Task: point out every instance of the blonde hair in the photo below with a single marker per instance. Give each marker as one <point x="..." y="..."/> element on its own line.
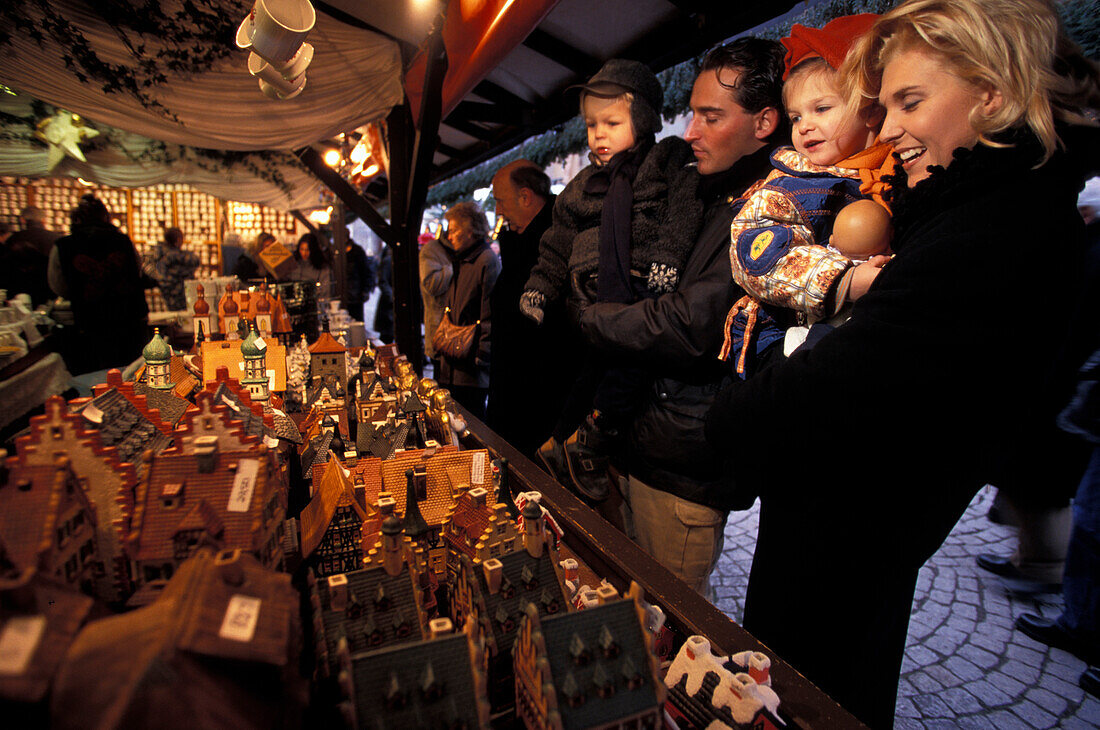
<point x="806" y="70"/>
<point x="1016" y="47"/>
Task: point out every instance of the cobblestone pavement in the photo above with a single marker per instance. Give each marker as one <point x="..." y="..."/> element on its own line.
<point x="965" y="666"/>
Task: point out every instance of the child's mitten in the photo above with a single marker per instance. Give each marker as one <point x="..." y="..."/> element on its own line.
<point x="662" y="278"/>
<point x="531" y="303"/>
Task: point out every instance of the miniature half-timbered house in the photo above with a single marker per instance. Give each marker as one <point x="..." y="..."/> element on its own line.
<point x="495" y="593"/>
<point x="709" y="691"/>
<point x="370" y="608"/>
<point x="328" y="360"/>
<point x="39" y="619"/>
<point x="47" y="522"/>
<point x="220" y="641"/>
<point x="108" y="482"/>
<point x="332" y="524"/>
<point x="440" y="682"/>
<point x="588" y="669"/>
<point x="219" y="486"/>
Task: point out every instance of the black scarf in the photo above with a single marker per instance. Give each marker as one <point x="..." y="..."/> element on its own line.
<point x="615" y="181"/>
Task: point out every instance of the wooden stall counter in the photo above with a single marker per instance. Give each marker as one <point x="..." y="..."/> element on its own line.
<point x="613" y="556"/>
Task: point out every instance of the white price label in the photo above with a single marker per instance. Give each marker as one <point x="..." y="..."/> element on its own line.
<point x="260" y="344"/>
<point x="18" y="640"/>
<point x="244" y="482"/>
<point x="477" y="469"/>
<point x="241" y="618"/>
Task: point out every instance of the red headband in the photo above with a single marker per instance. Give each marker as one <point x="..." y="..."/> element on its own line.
<point x="830" y="42"/>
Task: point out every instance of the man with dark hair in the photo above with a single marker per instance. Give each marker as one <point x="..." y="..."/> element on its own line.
<point x="677" y="489"/>
<point x="532" y="366"/>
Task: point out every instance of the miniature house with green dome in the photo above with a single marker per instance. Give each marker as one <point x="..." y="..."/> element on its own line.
<point x="158" y="363"/>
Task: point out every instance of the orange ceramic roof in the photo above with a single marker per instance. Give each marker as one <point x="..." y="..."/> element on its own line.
<point x="334" y="491"/>
<point x="326" y="343"/>
<point x="227" y="353"/>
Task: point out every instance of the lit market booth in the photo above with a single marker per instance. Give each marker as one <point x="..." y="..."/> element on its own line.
<point x="455" y="86"/>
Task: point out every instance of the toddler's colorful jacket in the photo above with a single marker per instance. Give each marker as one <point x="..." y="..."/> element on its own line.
<point x="778" y="251"/>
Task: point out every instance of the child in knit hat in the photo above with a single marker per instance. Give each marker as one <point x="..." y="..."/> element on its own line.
<point x="798" y="257"/>
<point x="621" y="230"/>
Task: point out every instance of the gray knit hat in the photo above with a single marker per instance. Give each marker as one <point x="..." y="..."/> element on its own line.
<point x="619" y="76"/>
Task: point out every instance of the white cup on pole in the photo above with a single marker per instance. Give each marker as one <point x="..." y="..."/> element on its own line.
<point x="280" y="27"/>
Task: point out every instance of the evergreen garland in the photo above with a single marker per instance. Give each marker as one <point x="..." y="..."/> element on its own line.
<point x="188" y="40"/>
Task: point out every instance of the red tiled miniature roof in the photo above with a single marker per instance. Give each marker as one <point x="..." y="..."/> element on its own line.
<point x="326" y="343"/>
<point x="440" y="468"/>
<point x="28" y="516"/>
<point x="126" y="390"/>
<point x="154" y="525"/>
<point x="334" y="491"/>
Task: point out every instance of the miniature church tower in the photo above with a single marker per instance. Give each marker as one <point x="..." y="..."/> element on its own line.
<point x="158" y="362"/>
<point x="254" y="352"/>
<point x="328" y="359"/>
<point x="200" y="317"/>
<point x="263" y="314"/>
<point x="232" y="312"/>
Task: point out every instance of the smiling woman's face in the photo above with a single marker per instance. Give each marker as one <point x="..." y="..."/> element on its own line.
<point x="927" y="110"/>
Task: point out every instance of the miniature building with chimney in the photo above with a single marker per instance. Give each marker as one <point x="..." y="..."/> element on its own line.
<point x="706" y="691"/>
<point x="108" y="482"/>
<point x="367" y="609"/>
<point x="332" y="525"/>
<point x="219" y="486"/>
<point x="495" y="593"/>
<point x="439" y="682"/>
<point x="476" y="527"/>
<point x="220" y="641"/>
<point x="47" y="522"/>
<point x="588" y="669"/>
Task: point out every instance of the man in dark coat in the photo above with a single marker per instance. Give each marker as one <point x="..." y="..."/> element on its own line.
<point x="677" y="491"/>
<point x="533" y="365"/>
<point x="358" y="276"/>
<point x="24" y="257"/>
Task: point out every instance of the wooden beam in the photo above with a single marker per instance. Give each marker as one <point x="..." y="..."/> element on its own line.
<point x="470" y="130"/>
<point x="562" y="53"/>
<point x="476" y="111"/>
<point x="305" y="221"/>
<point x="311" y="158"/>
<point x="498" y="94"/>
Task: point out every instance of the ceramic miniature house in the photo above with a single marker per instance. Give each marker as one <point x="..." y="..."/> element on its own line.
<point x="370" y="608"/>
<point x="108" y="482"/>
<point x="220" y="641"/>
<point x="332" y="525"/>
<point x="47" y="522"/>
<point x="709" y="691"/>
<point x="158" y="359"/>
<point x="588" y="669"/>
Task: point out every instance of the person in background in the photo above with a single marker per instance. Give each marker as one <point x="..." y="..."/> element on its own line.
<point x="383" y="313"/>
<point x="678" y="493"/>
<point x="867" y="449"/>
<point x="24" y="257"/>
<point x="232" y="251"/>
<point x="5" y="232"/>
<point x="358" y="277"/>
<point x="248" y="266"/>
<point x="171" y="266"/>
<point x="435" y="279"/>
<point x="97" y="268"/>
<point x="476" y="269"/>
<point x="312" y="263"/>
<point x="533" y="366"/>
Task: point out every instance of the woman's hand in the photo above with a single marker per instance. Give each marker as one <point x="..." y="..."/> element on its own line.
<point x="864" y="275"/>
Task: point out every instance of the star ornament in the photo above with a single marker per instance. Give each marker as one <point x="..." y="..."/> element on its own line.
<point x="63" y="133"/>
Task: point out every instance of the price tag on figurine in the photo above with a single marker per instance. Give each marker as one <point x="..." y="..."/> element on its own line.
<point x="92" y="413"/>
<point x="244" y="482"/>
<point x="240" y="619"/>
<point x="271" y="380"/>
<point x="477" y="469"/>
<point x="260" y="344"/>
<point x="18" y="640"/>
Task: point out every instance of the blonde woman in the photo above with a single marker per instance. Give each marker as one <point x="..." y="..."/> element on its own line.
<point x="950" y="372"/>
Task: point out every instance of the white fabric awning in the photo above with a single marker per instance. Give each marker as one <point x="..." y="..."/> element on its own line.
<point x="355" y="77"/>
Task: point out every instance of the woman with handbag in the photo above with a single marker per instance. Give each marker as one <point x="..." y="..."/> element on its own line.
<point x="462" y="340"/>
